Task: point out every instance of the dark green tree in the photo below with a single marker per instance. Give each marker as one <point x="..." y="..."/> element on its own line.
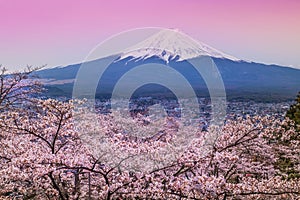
<point x="294" y="112"/>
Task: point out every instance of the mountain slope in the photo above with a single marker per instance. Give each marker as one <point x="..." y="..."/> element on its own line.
<point x="171" y="44"/>
<point x="242" y="80"/>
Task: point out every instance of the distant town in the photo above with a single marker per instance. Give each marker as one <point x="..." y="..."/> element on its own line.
<point x="234" y="109"/>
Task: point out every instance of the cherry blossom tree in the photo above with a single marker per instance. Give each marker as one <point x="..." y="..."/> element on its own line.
<point x="17" y="87"/>
<point x="44" y="155"/>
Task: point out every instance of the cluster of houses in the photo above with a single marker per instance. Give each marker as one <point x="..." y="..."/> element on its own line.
<point x="170" y="107"/>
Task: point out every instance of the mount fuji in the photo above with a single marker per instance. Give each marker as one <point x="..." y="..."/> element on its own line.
<point x="171" y="45"/>
<point x="243" y="80"/>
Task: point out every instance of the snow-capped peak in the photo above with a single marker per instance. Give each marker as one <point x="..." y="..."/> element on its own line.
<point x="169" y="44"/>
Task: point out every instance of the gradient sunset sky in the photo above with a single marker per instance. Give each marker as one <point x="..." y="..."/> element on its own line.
<point x="62" y="32"/>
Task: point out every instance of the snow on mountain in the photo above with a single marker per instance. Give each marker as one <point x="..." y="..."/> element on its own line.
<point x="170" y="44"/>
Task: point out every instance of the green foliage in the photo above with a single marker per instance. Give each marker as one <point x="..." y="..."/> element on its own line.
<point x="286" y="166"/>
<point x="294" y="112"/>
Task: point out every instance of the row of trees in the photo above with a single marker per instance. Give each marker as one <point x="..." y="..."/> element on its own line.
<point x="42" y="156"/>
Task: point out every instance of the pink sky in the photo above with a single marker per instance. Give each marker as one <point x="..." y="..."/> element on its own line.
<point x="61" y="32"/>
